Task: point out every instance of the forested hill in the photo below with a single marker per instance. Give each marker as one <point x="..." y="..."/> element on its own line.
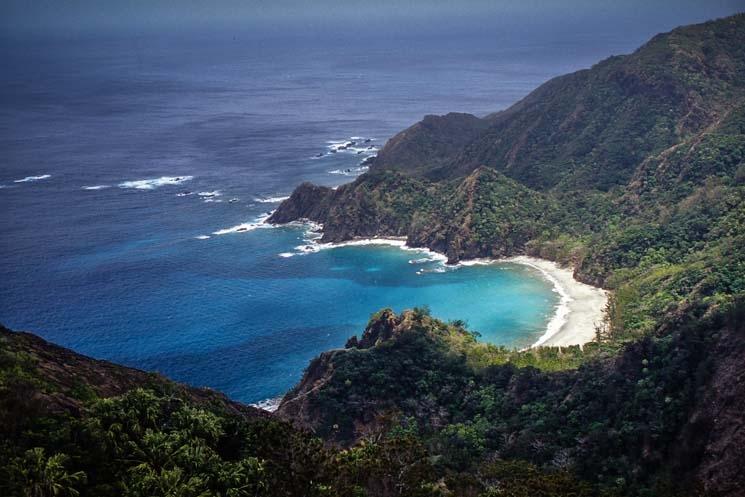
<point x="434" y="413"/>
<point x="592" y="128"/>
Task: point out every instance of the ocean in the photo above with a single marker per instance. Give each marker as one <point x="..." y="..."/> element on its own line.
<point x="135" y="170"/>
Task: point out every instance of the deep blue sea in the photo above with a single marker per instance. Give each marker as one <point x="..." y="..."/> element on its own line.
<point x="133" y="171"/>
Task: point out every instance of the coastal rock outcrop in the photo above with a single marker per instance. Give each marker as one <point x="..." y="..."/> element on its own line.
<point x="485" y="214"/>
<point x="308" y="201"/>
<point x="387" y="339"/>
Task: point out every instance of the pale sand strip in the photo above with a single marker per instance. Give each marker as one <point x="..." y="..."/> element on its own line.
<point x="580" y="310"/>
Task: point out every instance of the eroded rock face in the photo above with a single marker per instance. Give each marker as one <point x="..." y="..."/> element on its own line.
<point x="297" y="406"/>
<point x="308" y="201"/>
<point x="713" y="441"/>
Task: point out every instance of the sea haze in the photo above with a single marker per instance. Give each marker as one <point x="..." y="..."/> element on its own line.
<point x="134" y="170"/>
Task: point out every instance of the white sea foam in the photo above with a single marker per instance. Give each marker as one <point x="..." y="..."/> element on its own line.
<point x="270" y="405"/>
<point x="258" y="223"/>
<point x="96" y="187"/>
<point x="271" y="200"/>
<point x="151" y="184"/>
<point x="215" y="193"/>
<point x="314" y="232"/>
<point x="580" y="310"/>
<point x="351" y="144"/>
<point x="423" y="260"/>
<point x="29" y="179"/>
<point x="350" y="171"/>
<point x="561" y="313"/>
<point x="202" y="237"/>
<point x="442" y="268"/>
<point x="354" y="145"/>
<point x="363" y="150"/>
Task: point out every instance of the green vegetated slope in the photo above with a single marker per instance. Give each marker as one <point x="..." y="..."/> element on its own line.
<point x="74" y="426"/>
<point x="431" y="412"/>
<point x="592" y="128"/>
<point x="663" y="417"/>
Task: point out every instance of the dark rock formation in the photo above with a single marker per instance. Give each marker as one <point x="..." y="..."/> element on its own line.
<point x="308" y="201"/>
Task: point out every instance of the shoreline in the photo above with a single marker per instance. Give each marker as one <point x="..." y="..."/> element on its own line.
<point x="580" y="309"/>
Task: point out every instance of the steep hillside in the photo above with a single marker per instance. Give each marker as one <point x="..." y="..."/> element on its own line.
<point x="661" y="418"/>
<point x="592" y="128"/>
<point x="633" y="172"/>
<point x="71" y="425"/>
<point x="430" y="144"/>
<point x="68" y="380"/>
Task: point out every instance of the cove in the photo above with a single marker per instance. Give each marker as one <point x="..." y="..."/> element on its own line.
<point x="231" y="313"/>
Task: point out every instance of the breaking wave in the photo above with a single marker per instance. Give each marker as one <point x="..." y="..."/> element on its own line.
<point x="29" y="179"/>
<point x="153" y="183"/>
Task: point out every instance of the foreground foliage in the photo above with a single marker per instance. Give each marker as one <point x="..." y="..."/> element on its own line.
<point x="162" y="441"/>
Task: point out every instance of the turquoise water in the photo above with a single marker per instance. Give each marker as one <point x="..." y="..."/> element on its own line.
<point x="231" y="313"/>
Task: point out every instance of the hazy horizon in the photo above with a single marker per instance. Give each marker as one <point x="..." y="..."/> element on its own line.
<point x="336" y="18"/>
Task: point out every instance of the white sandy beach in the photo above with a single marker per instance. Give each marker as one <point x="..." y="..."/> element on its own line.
<point x="581" y="308"/>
